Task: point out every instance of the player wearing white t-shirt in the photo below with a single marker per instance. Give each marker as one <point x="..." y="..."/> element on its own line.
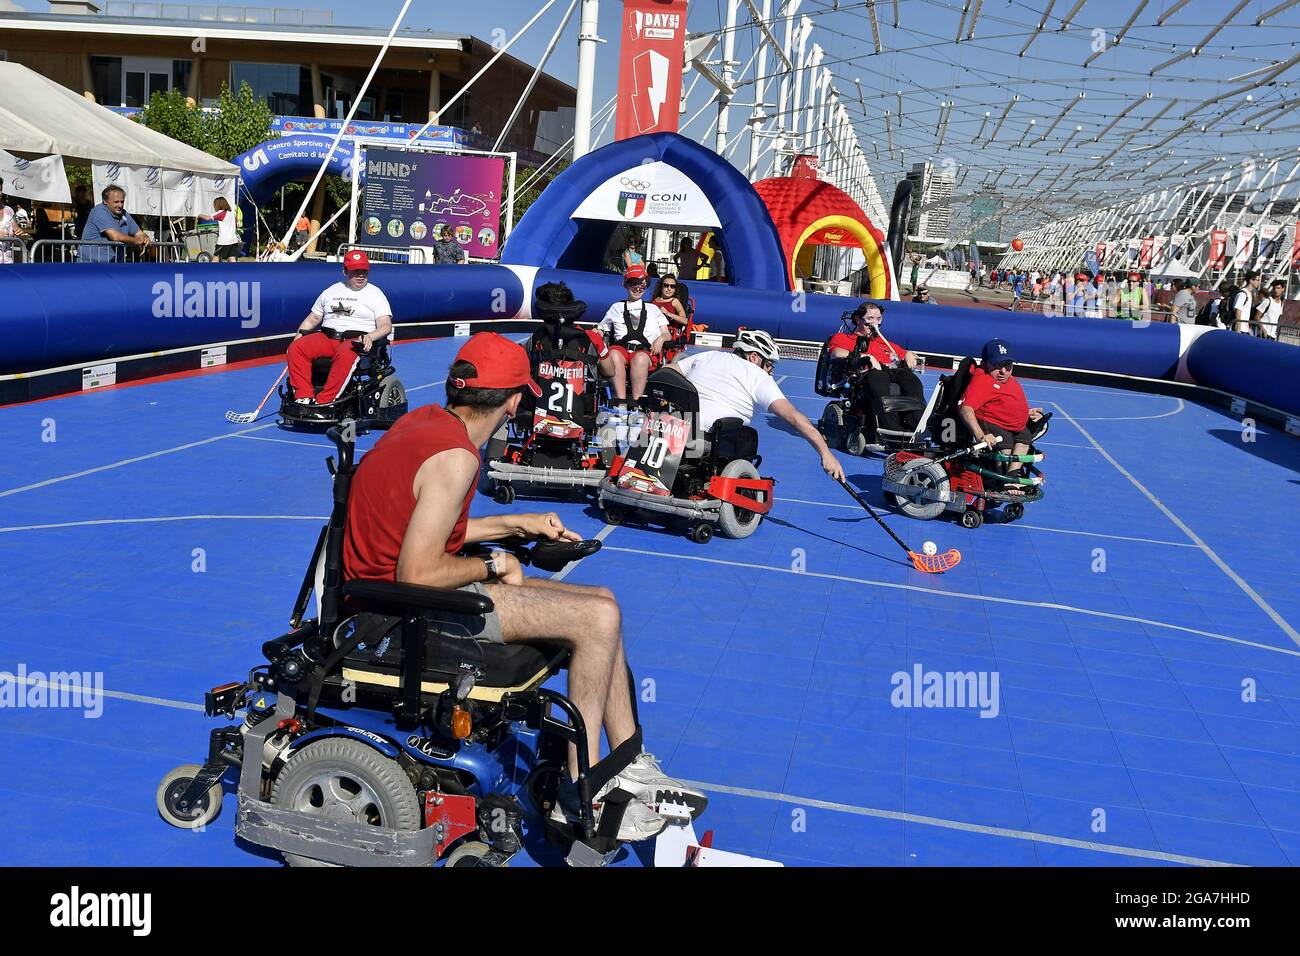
<point x="352" y="316"/>
<point x="738" y="384"/>
<point x="637" y="332"/>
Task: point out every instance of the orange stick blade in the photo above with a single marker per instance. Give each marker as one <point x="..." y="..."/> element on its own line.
<point x="935" y="563"/>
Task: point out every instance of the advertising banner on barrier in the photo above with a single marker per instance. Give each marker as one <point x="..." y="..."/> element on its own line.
<point x="1218" y="249"/>
<point x="151" y="191"/>
<point x="650" y="67"/>
<point x="409" y="197"/>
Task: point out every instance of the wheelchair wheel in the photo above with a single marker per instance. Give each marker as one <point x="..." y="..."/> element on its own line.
<point x="924" y="475"/>
<point x="391" y="394"/>
<point x="856" y="442"/>
<point x="613" y="515"/>
<point x="1014" y="511"/>
<point x="176" y="783"/>
<point x="832" y="424"/>
<point x="342" y="779"/>
<point x="971" y="519"/>
<point x="701" y="533"/>
<point x="737" y="522"/>
<point x="469" y="854"/>
<point x="504" y="495"/>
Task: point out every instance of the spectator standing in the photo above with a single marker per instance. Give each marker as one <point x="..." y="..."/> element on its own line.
<point x="718" y="263"/>
<point x="447" y="251"/>
<point x="8" y="228"/>
<point x="228" y="244"/>
<point x="1131" y="300"/>
<point x="1268" y="314"/>
<point x="1017" y="290"/>
<point x="110" y="222"/>
<point x="688" y="260"/>
<point x="301" y="232"/>
<point x="81" y="207"/>
<point x="1184" y="303"/>
<point x="1243" y="303"/>
<point x="632" y="254"/>
<point x="916" y="271"/>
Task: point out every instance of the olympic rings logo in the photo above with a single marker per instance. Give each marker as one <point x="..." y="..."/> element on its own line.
<point x="633" y="183"/>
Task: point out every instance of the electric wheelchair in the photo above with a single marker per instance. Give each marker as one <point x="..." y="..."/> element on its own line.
<point x="672" y="473"/>
<point x="951" y="472"/>
<point x="374" y="736"/>
<point x="373" y="397"/>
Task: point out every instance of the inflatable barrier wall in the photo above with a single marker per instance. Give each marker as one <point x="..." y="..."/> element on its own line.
<point x="112" y="312"/>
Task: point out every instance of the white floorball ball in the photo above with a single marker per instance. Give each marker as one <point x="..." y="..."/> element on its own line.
<point x="930" y="548"/>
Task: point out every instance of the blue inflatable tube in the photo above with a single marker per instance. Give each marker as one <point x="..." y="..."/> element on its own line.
<point x="59" y="315"/>
<point x="1265" y="372"/>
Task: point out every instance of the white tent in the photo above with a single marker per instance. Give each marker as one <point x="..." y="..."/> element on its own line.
<point x="39" y="117"/>
<point x="1174" y="269"/>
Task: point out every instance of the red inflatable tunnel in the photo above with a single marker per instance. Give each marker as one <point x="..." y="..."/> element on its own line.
<point x="809" y="213"/>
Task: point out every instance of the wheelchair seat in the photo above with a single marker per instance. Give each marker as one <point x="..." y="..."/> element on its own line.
<point x="731" y="438"/>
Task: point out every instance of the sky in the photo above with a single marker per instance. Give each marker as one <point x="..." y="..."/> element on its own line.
<point x="921" y="68"/>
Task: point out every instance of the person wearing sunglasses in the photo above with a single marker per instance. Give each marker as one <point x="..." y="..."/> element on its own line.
<point x="994" y="406"/>
<point x="636" y="331"/>
<point x="666" y="297"/>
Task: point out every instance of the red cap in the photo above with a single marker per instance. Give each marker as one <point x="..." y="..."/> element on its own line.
<point x="498" y="362"/>
<point x="636" y="272"/>
<point x="1134" y="276"/>
<point x="356" y="261"/>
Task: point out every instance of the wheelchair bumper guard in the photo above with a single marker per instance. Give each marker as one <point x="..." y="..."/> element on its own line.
<point x="349" y="844"/>
<point x="698" y="510"/>
<point x="891" y="483"/>
<point x="728" y="490"/>
<point x="539" y="475"/>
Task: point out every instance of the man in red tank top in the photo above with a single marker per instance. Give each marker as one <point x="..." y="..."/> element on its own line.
<point x="408" y="519"/>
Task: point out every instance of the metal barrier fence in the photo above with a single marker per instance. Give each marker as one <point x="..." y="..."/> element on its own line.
<point x="414" y="255"/>
<point x="13" y="250"/>
<point x="101" y="251"/>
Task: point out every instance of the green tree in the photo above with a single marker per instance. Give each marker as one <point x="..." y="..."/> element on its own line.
<point x="526" y="195"/>
<point x="172" y="115"/>
<point x="240" y="122"/>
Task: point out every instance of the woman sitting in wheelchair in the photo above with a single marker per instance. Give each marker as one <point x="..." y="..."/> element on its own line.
<point x="351" y="316"/>
<point x="876" y="363"/>
<point x="637" y="332"/>
<point x="995" y="409"/>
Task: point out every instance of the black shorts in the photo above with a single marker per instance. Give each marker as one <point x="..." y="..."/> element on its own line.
<point x="230" y="251"/>
<point x="1006" y="438"/>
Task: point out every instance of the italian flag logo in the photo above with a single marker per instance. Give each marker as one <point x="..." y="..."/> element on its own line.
<point x="631" y="205"/>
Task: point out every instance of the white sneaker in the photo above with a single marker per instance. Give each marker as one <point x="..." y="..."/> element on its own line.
<point x="639" y="821"/>
<point x="646" y="780"/>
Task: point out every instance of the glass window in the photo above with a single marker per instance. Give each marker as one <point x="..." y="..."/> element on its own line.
<point x="106" y="79"/>
<point x="285" y="87"/>
<point x="134" y="89"/>
<point x="393" y="108"/>
<point x="181" y="75"/>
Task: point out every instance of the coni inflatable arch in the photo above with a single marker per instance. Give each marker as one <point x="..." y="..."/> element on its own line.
<point x="809" y="212"/>
<point x="549" y="235"/>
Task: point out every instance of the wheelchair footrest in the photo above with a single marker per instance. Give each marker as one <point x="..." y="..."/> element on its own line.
<point x="348" y="844"/>
<point x="704" y="509"/>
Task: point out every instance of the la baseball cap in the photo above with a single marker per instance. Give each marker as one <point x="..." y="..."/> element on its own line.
<point x="498" y="363"/>
<point x="635" y="272"/>
<point x="996" y="352"/>
<point x="356" y="261"/>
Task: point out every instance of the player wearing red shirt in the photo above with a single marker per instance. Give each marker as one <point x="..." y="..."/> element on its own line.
<point x="886" y="363"/>
<point x="994" y="406"/>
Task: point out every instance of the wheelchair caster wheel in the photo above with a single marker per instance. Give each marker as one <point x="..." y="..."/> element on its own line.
<point x="613" y="516"/>
<point x="1014" y="511"/>
<point x="469" y="854"/>
<point x="171" y="789"/>
<point x="701" y="534"/>
<point x="856" y="442"/>
<point x="972" y="519"/>
<point x="504" y="495"/>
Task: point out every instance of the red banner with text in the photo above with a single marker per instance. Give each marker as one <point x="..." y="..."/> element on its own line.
<point x="1295" y="248"/>
<point x="650" y="67"/>
<point x="1218" y="248"/>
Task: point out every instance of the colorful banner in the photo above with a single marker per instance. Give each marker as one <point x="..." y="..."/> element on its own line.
<point x="1134" y="245"/>
<point x="652" y="194"/>
<point x="1269" y="239"/>
<point x="1176" y="244"/>
<point x="650" y="67"/>
<point x="1295" y="248"/>
<point x="1218" y="249"/>
<point x="409" y="196"/>
<point x="1101" y="253"/>
<point x="1158" y="249"/>
<point x="1144" y="253"/>
<point x="805" y="166"/>
<point x="1245" y="247"/>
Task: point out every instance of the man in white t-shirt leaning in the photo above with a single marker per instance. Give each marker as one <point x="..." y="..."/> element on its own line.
<point x="1268" y="314"/>
<point x="1243" y="302"/>
<point x="738" y="384"/>
<point x="636" y="331"/>
<point x="351" y="316"/>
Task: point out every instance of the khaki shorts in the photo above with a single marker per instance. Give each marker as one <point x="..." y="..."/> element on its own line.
<point x="478" y="627"/>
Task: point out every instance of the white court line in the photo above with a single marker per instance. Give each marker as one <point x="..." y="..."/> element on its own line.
<point x="115" y="694"/>
<point x="1237" y="579"/>
<point x="131" y="461"/>
<point x="286" y="441"/>
<point x="1128" y="418"/>
<point x="1029" y="835"/>
<point x="787" y="798"/>
<point x="160" y="520"/>
<point x="1061" y="444"/>
<point x="962" y="596"/>
<point x="1019" y="524"/>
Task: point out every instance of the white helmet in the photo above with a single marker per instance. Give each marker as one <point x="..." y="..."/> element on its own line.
<point x="756" y="340"/>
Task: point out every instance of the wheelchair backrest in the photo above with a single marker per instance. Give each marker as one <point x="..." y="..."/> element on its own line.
<point x="822" y="377"/>
<point x="950" y="390"/>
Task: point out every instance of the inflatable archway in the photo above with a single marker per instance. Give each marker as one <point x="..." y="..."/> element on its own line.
<point x="647" y="179"/>
<point x="808" y="213"/>
<point x="269" y="166"/>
